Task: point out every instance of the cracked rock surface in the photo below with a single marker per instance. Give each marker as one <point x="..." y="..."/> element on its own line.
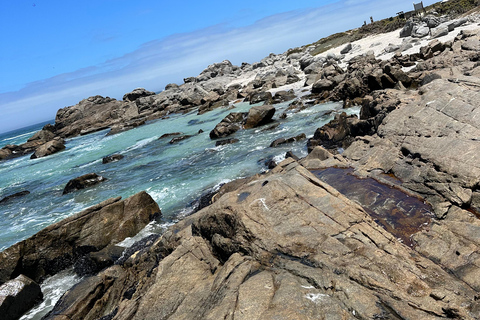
<point x="284" y="245"/>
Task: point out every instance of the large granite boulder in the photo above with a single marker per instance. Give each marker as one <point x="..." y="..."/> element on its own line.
<point x="86" y="181"/>
<point x="17" y="296"/>
<point x="285" y="245"/>
<point x="14" y="196"/>
<point x="259" y="115"/>
<point x="93" y="114"/>
<point x="59" y="245"/>
<point x="49" y="148"/>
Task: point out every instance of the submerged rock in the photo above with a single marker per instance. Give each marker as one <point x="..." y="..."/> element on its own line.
<point x="112" y="158"/>
<point x="82" y="182"/>
<point x="17" y="296"/>
<point x="15" y="195"/>
<point x="229" y="125"/>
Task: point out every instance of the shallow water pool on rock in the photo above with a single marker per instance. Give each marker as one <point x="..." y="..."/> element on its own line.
<point x="399" y="213"/>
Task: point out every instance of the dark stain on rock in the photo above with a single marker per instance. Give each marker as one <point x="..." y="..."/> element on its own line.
<point x="242" y="196"/>
<point x="397" y="212"/>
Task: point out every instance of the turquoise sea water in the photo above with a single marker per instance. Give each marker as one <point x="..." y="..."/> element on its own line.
<point x="173" y="174"/>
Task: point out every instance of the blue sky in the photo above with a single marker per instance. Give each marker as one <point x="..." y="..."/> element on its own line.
<point x="55" y="53"/>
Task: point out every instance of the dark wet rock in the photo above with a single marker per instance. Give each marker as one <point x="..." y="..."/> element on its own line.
<point x="339" y="133"/>
<point x="171" y="86"/>
<point x="17" y="296"/>
<point x="200" y="131"/>
<point x="270" y="163"/>
<point x="226" y="141"/>
<point x="44" y="135"/>
<point x="168" y="135"/>
<point x="229" y="125"/>
<point x="322" y="85"/>
<point x="58" y="246"/>
<point x="137" y="93"/>
<point x="112" y="158"/>
<point x="178" y="139"/>
<point x="259" y="115"/>
<point x="281" y="141"/>
<point x="86" y="181"/>
<point x="49" y="148"/>
<point x="290" y="154"/>
<point x="282" y="236"/>
<point x="140" y="245"/>
<point x="93" y="262"/>
<point x="282" y="96"/>
<point x="346" y="49"/>
<point x="260" y="97"/>
<point x="14" y="196"/>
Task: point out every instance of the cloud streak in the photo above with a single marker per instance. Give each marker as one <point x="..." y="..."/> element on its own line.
<point x="159" y="62"/>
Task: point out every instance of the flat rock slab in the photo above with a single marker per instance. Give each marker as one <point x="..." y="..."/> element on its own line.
<point x="284" y="246"/>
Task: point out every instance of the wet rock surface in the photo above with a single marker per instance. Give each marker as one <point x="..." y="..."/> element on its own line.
<point x="86" y="181"/>
<point x="286" y="245"/>
<point x="14" y="196"/>
<point x="17" y="296"/>
<point x="59" y="245"/>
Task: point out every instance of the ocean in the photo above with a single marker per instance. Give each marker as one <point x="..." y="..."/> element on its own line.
<point x="173" y="174"/>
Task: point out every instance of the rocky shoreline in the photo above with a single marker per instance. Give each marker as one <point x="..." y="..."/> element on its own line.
<point x="285" y="244"/>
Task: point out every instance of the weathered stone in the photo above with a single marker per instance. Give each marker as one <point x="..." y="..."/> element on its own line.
<point x="346" y="49"/>
<point x="59" y="245"/>
<point x="283" y="245"/>
<point x="178" y="139"/>
<point x="49" y="148"/>
<point x="137" y="93"/>
<point x="17" y="296"/>
<point x="229" y="125"/>
<point x="225" y="141"/>
<point x="112" y="158"/>
<point x="259" y="115"/>
<point x="281" y="141"/>
<point x="14" y="196"/>
<point x="86" y="181"/>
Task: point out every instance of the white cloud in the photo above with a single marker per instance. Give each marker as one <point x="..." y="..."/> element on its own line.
<point x="162" y="61"/>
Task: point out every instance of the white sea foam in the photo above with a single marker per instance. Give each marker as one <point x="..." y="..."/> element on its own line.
<point x="52" y="288"/>
<point x="140" y="144"/>
<point x="19" y="136"/>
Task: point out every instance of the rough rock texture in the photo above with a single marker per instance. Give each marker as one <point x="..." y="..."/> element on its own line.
<point x="229" y="125"/>
<point x="259" y="115"/>
<point x="112" y="158"/>
<point x="281" y="141"/>
<point x="92" y="114"/>
<point x="137" y="93"/>
<point x="284" y="246"/>
<point x="49" y="148"/>
<point x="86" y="181"/>
<point x="17" y="296"/>
<point x="430" y="142"/>
<point x="59" y="245"/>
